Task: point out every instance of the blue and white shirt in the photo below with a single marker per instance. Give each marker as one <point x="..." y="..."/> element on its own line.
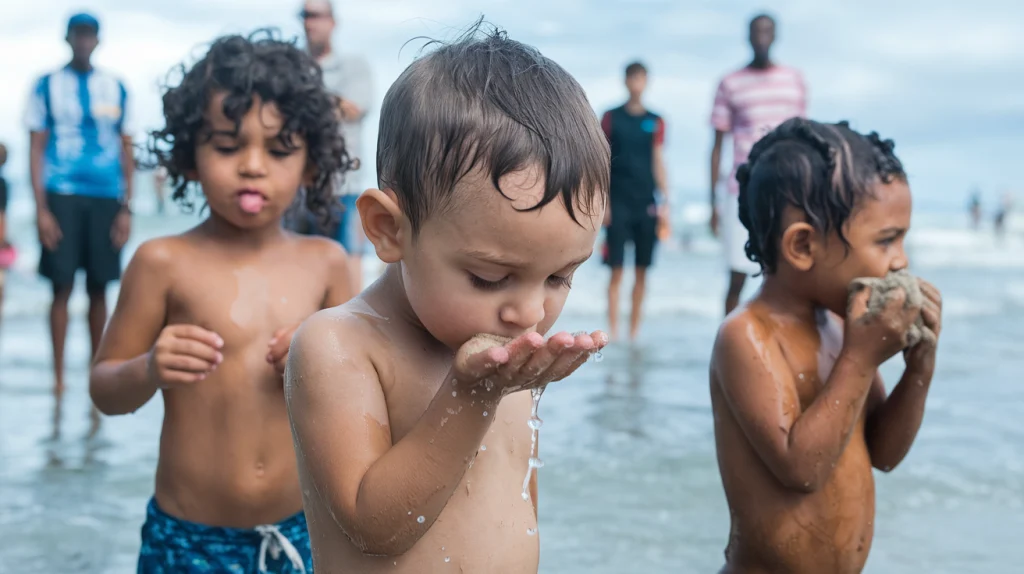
<point x="85" y="115"/>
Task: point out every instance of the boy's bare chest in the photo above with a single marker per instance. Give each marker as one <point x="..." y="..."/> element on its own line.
<point x="243" y="303"/>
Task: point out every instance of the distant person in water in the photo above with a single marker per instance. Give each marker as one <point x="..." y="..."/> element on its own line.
<point x="999" y="221"/>
<point x="206" y="317"/>
<point x="411" y="431"/>
<point x="6" y="249"/>
<point x="639" y="194"/>
<point x="801" y="412"/>
<point x="975" y="209"/>
<point x="749" y="103"/>
<point x="81" y="166"/>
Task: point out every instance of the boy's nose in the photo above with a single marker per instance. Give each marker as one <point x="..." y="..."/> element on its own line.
<point x="524" y="314"/>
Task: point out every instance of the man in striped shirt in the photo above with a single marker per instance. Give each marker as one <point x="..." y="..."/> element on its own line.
<point x="749" y="103"/>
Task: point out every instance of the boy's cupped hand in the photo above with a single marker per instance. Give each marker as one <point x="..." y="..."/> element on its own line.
<point x="183" y="355"/>
<point x="495" y="366"/>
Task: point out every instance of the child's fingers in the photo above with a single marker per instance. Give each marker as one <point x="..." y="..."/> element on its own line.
<point x="583" y="346"/>
<point x="930" y="292"/>
<point x="188" y="364"/>
<point x="171" y="378"/>
<point x="521" y="350"/>
<point x="932" y="316"/>
<point x="197" y="349"/>
<point x="198" y="334"/>
<point x="544" y="357"/>
<point x="858" y="303"/>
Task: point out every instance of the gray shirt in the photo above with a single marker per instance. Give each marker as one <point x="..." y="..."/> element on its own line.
<point x="349" y="77"/>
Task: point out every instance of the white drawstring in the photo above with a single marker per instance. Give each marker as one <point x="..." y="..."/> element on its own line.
<point x="276" y="542"/>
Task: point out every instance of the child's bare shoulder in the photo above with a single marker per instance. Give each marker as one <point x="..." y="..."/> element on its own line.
<point x="160" y="254"/>
<point x="345" y="334"/>
<point x="743" y="329"/>
<point x="322" y="248"/>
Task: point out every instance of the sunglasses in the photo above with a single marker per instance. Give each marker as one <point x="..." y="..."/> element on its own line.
<point x="307" y="15"/>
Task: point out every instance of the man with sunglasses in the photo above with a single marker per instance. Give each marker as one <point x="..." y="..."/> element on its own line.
<point x="347" y="76"/>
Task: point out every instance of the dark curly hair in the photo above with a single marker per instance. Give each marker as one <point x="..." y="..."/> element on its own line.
<point x="825" y="170"/>
<point x="260" y="65"/>
<point x="487" y="102"/>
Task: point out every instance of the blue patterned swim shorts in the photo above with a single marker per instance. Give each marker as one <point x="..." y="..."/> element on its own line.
<point x="174" y="546"/>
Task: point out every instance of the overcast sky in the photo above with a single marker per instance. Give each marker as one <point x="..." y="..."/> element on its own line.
<point x="946" y="83"/>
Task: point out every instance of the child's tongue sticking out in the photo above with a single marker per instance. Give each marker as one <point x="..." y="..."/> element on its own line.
<point x="251" y="201"/>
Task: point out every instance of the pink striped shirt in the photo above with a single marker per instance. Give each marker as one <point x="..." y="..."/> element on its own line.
<point x="750" y="103"/>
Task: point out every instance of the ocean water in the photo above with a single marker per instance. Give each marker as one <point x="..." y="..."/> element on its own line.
<point x="630" y="482"/>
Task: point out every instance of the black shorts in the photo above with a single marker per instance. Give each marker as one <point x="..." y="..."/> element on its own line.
<point x="638" y="226"/>
<point x="3" y="197"/>
<point x="85" y="226"/>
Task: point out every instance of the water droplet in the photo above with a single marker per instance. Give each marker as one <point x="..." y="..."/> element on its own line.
<point x="531" y="531"/>
<point x="447" y="558"/>
<point x="483" y="447"/>
<point x="485" y="413"/>
<point x="410" y="513"/>
<point x="800" y="376"/>
<point x="421" y="519"/>
<point x="598" y="357"/>
<point x="837" y="401"/>
<point x="489" y="385"/>
<point x="455" y="394"/>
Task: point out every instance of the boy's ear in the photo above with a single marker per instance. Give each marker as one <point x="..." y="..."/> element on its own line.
<point x="384" y="223"/>
<point x="799" y="245"/>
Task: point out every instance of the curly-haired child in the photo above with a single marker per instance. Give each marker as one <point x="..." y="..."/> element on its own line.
<point x="206" y="317"/>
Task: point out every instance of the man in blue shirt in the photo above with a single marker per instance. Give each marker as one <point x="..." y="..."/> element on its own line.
<point x="81" y="168"/>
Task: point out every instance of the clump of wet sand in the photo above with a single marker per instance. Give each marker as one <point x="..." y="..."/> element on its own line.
<point x="482" y="342"/>
<point x="883" y="289"/>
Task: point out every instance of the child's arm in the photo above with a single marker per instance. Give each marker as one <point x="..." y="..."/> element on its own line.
<point x="386" y="496"/>
<point x="125" y="373"/>
<point x="893" y="422"/>
<point x="802" y="448"/>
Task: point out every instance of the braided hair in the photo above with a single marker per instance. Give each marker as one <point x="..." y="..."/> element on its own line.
<point x="824" y="170"/>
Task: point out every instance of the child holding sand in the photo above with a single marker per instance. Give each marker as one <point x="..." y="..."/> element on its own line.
<point x="411" y="431"/>
<point x="801" y="414"/>
<point x="206" y="317"/>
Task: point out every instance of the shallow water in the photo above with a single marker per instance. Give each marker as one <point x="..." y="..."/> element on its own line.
<point x="630" y="482"/>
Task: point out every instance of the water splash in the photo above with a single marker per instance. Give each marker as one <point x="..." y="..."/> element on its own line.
<point x="534" y="423"/>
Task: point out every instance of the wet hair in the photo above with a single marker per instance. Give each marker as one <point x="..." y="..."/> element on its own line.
<point x="635" y="68"/>
<point x="275" y="71"/>
<point x="487" y="102"/>
<point x="825" y="170"/>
